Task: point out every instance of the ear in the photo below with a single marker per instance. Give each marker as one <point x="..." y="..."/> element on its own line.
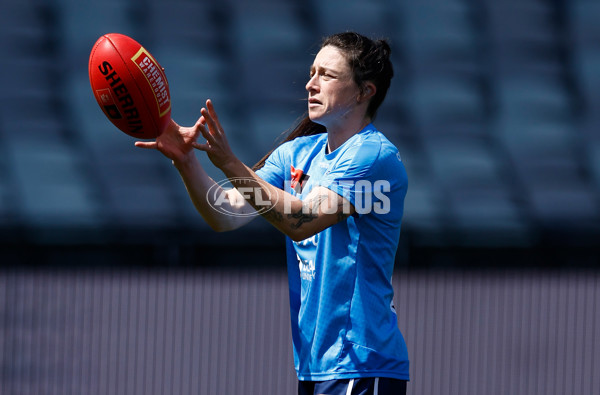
<point x="367" y="92"/>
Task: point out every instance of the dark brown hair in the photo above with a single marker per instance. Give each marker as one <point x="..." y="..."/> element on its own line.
<point x="369" y="60"/>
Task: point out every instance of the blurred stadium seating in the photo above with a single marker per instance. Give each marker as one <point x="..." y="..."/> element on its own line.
<point x="494" y="108"/>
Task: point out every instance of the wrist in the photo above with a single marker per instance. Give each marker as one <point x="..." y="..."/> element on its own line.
<point x="186" y="161"/>
<point x="232" y="168"/>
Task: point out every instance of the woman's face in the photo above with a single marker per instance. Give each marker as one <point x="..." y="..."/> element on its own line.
<point x="332" y="92"/>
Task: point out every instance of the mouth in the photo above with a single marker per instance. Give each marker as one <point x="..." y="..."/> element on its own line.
<point x="313" y="102"/>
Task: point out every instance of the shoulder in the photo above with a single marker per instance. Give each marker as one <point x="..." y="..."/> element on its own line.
<point x="307" y="141"/>
<point x="300" y="144"/>
<point x="372" y="149"/>
<point x="389" y="162"/>
<point x="381" y="159"/>
<point x="376" y="141"/>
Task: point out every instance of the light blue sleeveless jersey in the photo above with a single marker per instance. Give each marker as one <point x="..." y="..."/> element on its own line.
<point x="341" y="297"/>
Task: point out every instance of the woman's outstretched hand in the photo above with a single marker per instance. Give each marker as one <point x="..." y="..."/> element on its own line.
<point x="176" y="142"/>
<point x="216" y="146"/>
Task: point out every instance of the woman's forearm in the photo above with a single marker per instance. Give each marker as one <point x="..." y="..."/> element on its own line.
<point x="198" y="184"/>
<point x="295" y="218"/>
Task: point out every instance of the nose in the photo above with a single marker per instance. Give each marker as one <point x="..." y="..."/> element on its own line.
<point x="312" y="84"/>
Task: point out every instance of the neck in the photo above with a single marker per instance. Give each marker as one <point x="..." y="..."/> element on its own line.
<point x="336" y="136"/>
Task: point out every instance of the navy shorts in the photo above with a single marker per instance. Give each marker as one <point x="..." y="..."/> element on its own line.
<point x="358" y="386"/>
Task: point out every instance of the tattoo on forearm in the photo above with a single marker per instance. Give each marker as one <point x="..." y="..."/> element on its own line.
<point x="308" y="212"/>
<point x="272" y="216"/>
<point x="341" y="212"/>
<point x="302" y="218"/>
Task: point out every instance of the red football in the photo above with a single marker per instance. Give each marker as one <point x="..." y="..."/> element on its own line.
<point x="130" y="86"/>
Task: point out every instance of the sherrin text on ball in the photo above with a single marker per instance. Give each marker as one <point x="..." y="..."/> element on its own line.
<point x="130" y="86"/>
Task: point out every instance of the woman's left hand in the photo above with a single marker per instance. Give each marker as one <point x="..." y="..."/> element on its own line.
<point x="216" y="146"/>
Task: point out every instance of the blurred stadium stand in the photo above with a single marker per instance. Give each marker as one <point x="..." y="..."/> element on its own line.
<point x="494" y="108"/>
<point x="111" y="283"/>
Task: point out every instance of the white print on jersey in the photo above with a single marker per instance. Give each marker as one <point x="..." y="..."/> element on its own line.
<point x="309" y="240"/>
<point x="307" y="268"/>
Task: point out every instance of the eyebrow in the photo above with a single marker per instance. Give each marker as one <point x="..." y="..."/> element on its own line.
<point x="321" y="68"/>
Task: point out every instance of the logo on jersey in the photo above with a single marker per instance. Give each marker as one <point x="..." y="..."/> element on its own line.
<point x="298" y="179"/>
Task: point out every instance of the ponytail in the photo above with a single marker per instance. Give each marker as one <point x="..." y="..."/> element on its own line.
<point x="305" y="127"/>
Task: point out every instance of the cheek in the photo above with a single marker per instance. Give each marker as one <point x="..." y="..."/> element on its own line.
<point x="345" y="97"/>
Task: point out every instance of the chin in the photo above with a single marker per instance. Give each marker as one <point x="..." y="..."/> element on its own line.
<point x="318" y="122"/>
<point x="316" y="118"/>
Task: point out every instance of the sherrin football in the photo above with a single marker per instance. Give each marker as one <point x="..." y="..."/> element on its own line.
<point x="130" y="86"/>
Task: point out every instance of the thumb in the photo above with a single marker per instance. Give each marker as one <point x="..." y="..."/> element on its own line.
<point x="201" y="147"/>
<point x="146" y="144"/>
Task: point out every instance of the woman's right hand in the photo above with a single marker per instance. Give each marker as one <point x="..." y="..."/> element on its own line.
<point x="176" y="142"/>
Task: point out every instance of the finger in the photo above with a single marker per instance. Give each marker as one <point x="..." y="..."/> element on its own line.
<point x="197" y="126"/>
<point x="211" y="109"/>
<point x="210" y="122"/>
<point x="146" y="144"/>
<point x="206" y="133"/>
<point x="201" y="147"/>
<point x="211" y="117"/>
<point x="201" y="120"/>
